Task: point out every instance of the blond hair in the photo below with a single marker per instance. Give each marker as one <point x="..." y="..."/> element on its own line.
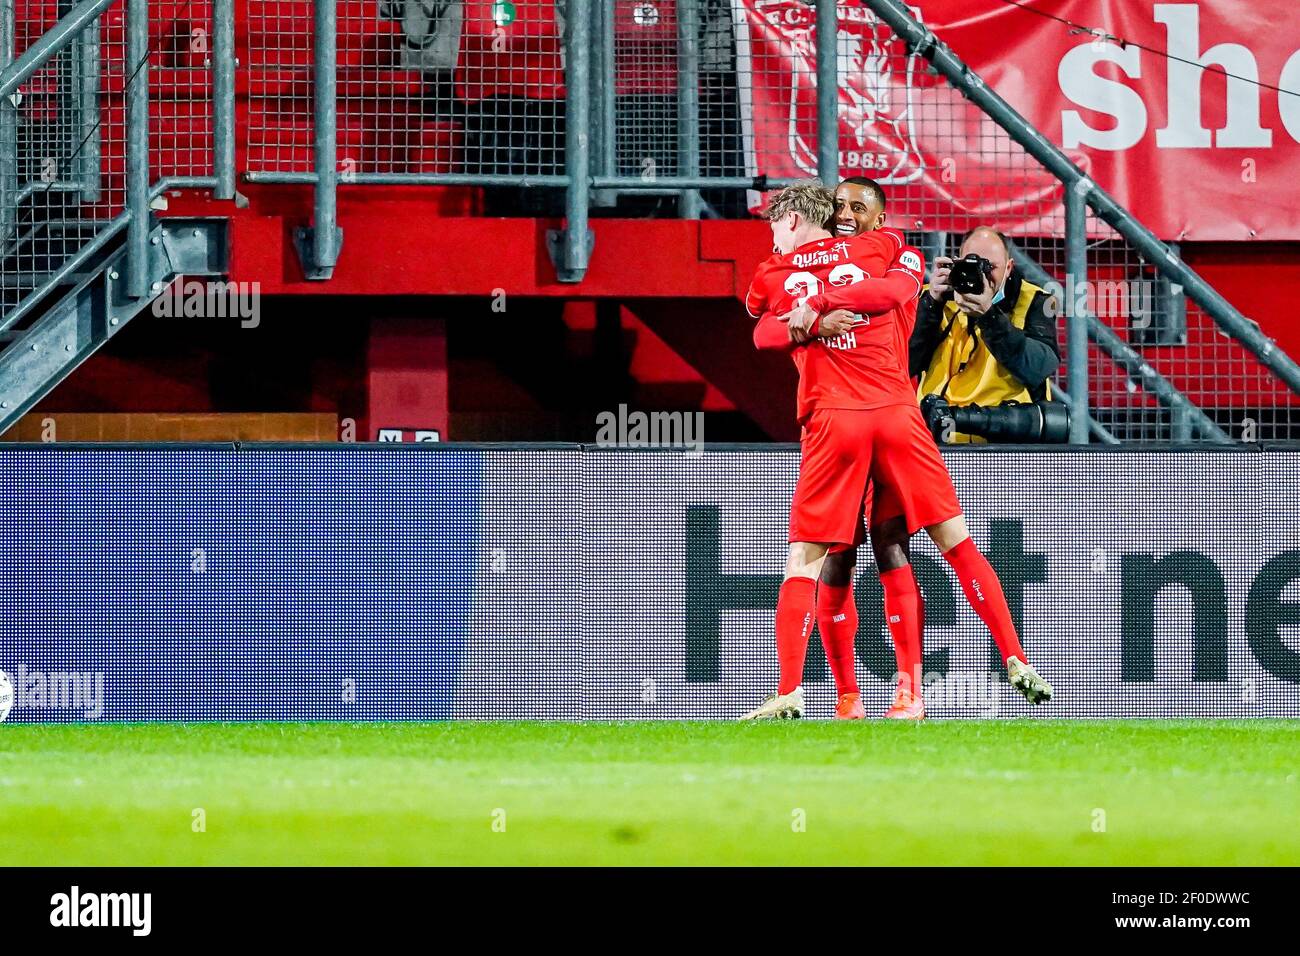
<point x="809" y="198"/>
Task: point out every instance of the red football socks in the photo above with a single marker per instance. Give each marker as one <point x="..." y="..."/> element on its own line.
<point x="905" y="615"/>
<point x="794" y="618"/>
<point x="837" y="622"/>
<point x="984" y="592"/>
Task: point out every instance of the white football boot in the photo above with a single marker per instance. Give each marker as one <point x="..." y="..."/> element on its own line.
<point x="778" y="706"/>
<point x="1026" y="680"/>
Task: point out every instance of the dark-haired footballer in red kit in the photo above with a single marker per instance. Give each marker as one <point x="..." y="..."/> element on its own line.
<point x="844" y="308"/>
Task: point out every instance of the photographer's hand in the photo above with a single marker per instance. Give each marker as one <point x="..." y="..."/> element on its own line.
<point x="939" y="286"/>
<point x="976" y="305"/>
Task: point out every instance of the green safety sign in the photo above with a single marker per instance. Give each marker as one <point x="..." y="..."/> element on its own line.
<point x="503" y="12"/>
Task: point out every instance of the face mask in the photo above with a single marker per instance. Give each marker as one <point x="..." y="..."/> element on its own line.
<point x="1000" y="294"/>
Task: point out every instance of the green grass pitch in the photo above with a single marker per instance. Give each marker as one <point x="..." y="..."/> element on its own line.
<point x="794" y="792"/>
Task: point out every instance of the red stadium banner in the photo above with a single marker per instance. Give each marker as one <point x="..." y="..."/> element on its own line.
<point x="1192" y="152"/>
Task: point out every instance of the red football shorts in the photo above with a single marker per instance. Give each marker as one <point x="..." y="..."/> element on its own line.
<point x="879" y="462"/>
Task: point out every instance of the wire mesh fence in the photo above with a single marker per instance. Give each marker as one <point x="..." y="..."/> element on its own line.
<point x="1181" y="341"/>
<point x="424" y="88"/>
<point x="646" y="71"/>
<point x="62" y="148"/>
<point x="181" y="88"/>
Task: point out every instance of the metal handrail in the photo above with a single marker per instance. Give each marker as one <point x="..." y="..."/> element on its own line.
<point x="51" y="43"/>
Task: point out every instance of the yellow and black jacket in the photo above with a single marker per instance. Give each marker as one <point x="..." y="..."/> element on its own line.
<point x="1007" y="354"/>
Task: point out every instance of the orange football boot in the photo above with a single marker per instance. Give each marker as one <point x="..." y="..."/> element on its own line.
<point x="906" y="706"/>
<point x="849" y="707"/>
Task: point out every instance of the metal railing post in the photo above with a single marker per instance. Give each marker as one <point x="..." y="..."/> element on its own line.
<point x="688" y="102"/>
<point x="1076" y="319"/>
<point x="323" y="251"/>
<point x="137" y="148"/>
<point x="828" y="93"/>
<point x="223" y="93"/>
<point x="1180" y="424"/>
<point x="1094" y="427"/>
<point x="81" y="100"/>
<point x="8" y="127"/>
<point x="88" y="109"/>
<point x="608" y="155"/>
<point x="602" y="93"/>
<point x="574" y="250"/>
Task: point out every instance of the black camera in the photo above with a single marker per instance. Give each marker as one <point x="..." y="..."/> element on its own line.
<point x="1036" y="422"/>
<point x="968" y="274"/>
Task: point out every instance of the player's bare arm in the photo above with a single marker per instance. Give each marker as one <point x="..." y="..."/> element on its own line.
<point x="775" y="332"/>
<point x="806" y="323"/>
<point x="836" y="322"/>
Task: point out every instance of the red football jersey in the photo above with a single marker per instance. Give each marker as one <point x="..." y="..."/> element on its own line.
<point x="906" y="259"/>
<point x="866" y="366"/>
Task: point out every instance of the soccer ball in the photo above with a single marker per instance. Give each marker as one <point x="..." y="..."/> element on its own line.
<point x="6" y="696"/>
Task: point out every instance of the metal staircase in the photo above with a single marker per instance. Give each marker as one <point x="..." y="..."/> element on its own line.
<point x="82" y="308"/>
<point x="81" y="249"/>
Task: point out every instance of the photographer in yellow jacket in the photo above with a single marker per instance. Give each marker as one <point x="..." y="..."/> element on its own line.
<point x="984" y="335"/>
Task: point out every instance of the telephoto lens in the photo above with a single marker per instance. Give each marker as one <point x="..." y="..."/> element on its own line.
<point x="1010" y="423"/>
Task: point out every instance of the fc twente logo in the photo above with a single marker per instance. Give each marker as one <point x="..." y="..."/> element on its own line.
<point x="876" y="87"/>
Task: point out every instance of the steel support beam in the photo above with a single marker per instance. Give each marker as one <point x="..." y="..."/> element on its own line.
<point x="571" y="246"/>
<point x="137" y="148"/>
<point x="319" y="245"/>
<point x="828" y="93"/>
<point x="223" y="97"/>
<point x="1076" y="319"/>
